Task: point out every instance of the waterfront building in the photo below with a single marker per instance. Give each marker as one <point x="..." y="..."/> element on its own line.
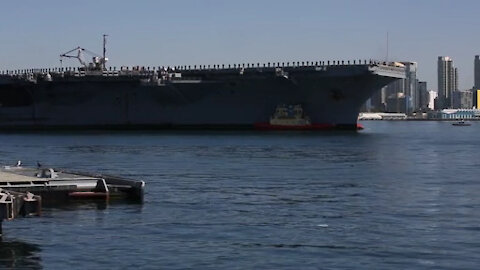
<point x="447" y="82"/>
<point x="382" y="116"/>
<point x="462" y="99"/>
<point x="454" y="114"/>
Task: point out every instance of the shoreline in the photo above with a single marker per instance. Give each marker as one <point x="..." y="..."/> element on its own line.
<point x="439" y="120"/>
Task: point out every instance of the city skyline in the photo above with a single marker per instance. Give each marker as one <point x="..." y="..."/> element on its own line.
<point x="153" y="33"/>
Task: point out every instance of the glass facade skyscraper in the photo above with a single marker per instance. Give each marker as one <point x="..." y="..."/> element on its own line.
<point x="447" y="82"/>
<point x="476" y="67"/>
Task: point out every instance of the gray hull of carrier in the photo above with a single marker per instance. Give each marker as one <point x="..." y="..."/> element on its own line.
<point x="183" y="98"/>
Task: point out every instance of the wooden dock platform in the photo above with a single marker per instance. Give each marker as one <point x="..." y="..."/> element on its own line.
<point x="23" y="190"/>
<point x="61" y="184"/>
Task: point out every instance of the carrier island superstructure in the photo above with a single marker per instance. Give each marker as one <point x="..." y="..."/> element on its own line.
<point x="324" y="94"/>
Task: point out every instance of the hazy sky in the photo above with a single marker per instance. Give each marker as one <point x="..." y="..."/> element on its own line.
<point x="181" y="32"/>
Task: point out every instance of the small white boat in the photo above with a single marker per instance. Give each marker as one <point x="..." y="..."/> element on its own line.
<point x="461" y="123"/>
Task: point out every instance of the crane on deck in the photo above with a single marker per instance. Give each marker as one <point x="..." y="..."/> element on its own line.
<point x="98" y="62"/>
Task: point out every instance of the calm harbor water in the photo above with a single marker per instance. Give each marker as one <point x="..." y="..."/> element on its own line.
<point x="397" y="195"/>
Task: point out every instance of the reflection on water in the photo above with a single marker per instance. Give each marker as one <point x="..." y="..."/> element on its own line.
<point x="75" y="205"/>
<point x="16" y="254"/>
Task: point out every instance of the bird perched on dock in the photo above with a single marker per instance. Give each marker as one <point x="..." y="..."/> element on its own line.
<point x="19" y="163"/>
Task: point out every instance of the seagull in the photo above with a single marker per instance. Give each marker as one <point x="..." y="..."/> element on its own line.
<point x="19" y="163"/>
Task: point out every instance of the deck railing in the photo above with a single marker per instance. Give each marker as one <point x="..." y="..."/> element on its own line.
<point x="148" y="71"/>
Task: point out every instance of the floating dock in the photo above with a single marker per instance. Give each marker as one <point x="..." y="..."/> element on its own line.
<point x="15" y="204"/>
<point x="23" y="190"/>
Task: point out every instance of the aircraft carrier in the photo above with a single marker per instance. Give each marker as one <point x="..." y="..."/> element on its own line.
<point x="280" y="95"/>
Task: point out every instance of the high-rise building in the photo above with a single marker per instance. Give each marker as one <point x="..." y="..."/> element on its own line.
<point x="411" y="86"/>
<point x="403" y="92"/>
<point x="377" y="101"/>
<point x="476" y="68"/>
<point x="423" y="95"/>
<point x="394" y="91"/>
<point x="462" y="99"/>
<point x="432" y="95"/>
<point x="475" y="98"/>
<point x="398" y="103"/>
<point x="447" y="82"/>
<point x="476" y="82"/>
